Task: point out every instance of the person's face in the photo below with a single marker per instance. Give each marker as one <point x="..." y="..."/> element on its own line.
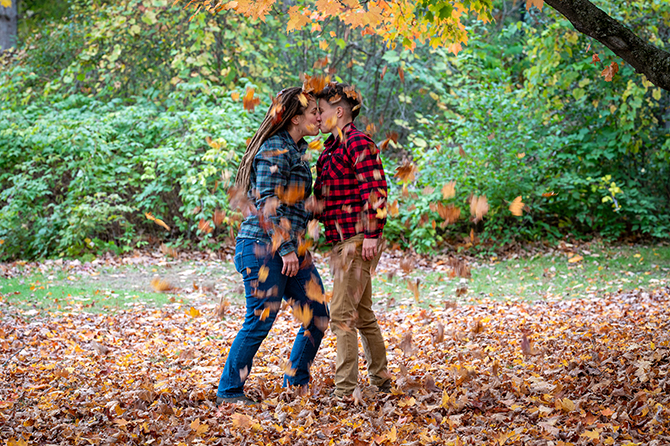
<point x="309" y="121"/>
<point x="328" y="116"/>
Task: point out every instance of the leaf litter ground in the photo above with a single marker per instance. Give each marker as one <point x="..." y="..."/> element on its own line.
<point x="582" y="371"/>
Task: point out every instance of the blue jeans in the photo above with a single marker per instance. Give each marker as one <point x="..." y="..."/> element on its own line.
<point x="249" y="258"/>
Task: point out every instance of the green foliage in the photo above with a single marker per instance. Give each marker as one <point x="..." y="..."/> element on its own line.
<point x="81" y="169"/>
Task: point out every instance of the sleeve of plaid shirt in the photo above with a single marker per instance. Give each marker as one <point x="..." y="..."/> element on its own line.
<point x="272" y="170"/>
<point x="371" y="182"/>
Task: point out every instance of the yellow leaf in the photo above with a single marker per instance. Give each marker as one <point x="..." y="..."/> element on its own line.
<point x="297" y="19"/>
<point x="593" y="435"/>
<point x="520" y="155"/>
<point x="314" y="291"/>
<point x="235" y="95"/>
<point x="392" y="435"/>
<point x="265" y="313"/>
<point x="161" y="285"/>
<point x="516" y="208"/>
<point x="303" y="314"/>
<point x="567" y="405"/>
<point x="193" y="312"/>
<point x="6" y="3"/>
<point x="575" y="259"/>
<point x="316" y="144"/>
<point x="2" y="242"/>
<point x="263" y="272"/>
<point x="381" y="213"/>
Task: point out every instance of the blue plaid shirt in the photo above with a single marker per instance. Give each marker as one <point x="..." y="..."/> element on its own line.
<point x="280" y="178"/>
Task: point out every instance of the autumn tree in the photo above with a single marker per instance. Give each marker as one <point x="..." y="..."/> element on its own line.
<point x="441" y="23"/>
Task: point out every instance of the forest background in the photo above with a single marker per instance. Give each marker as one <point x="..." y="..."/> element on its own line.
<point x="114" y="111"/>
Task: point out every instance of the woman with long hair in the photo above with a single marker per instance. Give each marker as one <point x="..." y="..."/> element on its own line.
<point x="270" y="252"/>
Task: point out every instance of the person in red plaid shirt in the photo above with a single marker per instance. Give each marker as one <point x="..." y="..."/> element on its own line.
<point x="351" y="188"/>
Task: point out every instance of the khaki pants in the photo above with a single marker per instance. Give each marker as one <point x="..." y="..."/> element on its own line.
<point x="351" y="310"/>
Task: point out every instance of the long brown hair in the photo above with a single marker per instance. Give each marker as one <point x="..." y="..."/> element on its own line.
<point x="289" y="102"/>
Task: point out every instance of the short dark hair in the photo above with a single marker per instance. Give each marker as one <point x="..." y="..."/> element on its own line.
<point x="336" y="92"/>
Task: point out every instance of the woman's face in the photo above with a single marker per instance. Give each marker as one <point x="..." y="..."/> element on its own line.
<point x="310" y="120"/>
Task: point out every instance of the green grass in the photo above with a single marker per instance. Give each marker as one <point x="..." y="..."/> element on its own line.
<point x="544" y="276"/>
<point x="549" y="275"/>
<point x="110" y="288"/>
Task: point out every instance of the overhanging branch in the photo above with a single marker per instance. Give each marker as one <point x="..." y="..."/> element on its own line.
<point x="588" y="19"/>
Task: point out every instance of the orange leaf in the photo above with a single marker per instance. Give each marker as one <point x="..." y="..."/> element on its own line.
<point x="595" y="59"/>
<point x="406" y="172"/>
<point x="381" y="77"/>
<point x="297" y="18"/>
<point x="401" y="73"/>
<point x="449" y="190"/>
<point x="204" y="226"/>
<point x="263" y="273"/>
<point x="536" y="3"/>
<point x="250" y="102"/>
<point x="610" y="71"/>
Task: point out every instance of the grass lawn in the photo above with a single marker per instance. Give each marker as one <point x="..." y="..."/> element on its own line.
<point x="554" y="274"/>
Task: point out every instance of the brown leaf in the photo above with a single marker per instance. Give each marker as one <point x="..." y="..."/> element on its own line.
<point x="406" y="344"/>
<point x="406" y="172"/>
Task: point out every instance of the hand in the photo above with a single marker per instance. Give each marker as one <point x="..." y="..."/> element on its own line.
<point x="291" y="265"/>
<point x="369" y="250"/>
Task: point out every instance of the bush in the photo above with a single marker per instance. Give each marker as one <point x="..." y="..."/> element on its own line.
<point x="79" y="170"/>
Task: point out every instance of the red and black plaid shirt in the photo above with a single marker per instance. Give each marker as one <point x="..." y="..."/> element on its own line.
<point x="351" y="182"/>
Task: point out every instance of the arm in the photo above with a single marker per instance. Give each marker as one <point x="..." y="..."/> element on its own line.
<point x="272" y="169"/>
<point x="369" y="172"/>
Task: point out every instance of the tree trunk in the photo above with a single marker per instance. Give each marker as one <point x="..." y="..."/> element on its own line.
<point x="588" y="19"/>
<point x="8" y="25"/>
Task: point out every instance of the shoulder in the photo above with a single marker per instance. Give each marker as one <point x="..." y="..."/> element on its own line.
<point x="358" y="140"/>
<point x="273" y="147"/>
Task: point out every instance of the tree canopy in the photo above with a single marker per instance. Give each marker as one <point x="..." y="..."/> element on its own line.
<point x="441" y="23"/>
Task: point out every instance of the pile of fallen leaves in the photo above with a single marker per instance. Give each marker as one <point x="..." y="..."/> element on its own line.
<point x="544" y="373"/>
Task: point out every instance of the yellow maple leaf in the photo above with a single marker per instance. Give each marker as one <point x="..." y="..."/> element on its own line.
<point x="516" y="207"/>
<point x="329" y="7"/>
<point x="193" y="312"/>
<point x="314" y="291"/>
<point x="6" y="3"/>
<point x="297" y="18"/>
<point x="392" y="435"/>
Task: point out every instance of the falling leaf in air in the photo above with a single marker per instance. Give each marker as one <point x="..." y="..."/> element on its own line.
<point x="406" y="172"/>
<point x="449" y="190"/>
<point x="479" y="206"/>
<point x="161" y="286"/>
<point x="381" y="77"/>
<point x="595" y="59"/>
<point x="401" y="73"/>
<point x="516" y="207"/>
<point x="204" y="226"/>
<point x="303" y="313"/>
<point x="249" y="101"/>
<point x="537" y="3"/>
<point x="158" y="221"/>
<point x="193" y="312"/>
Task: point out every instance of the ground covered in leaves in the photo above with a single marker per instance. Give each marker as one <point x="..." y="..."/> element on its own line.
<point x="587" y="371"/>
